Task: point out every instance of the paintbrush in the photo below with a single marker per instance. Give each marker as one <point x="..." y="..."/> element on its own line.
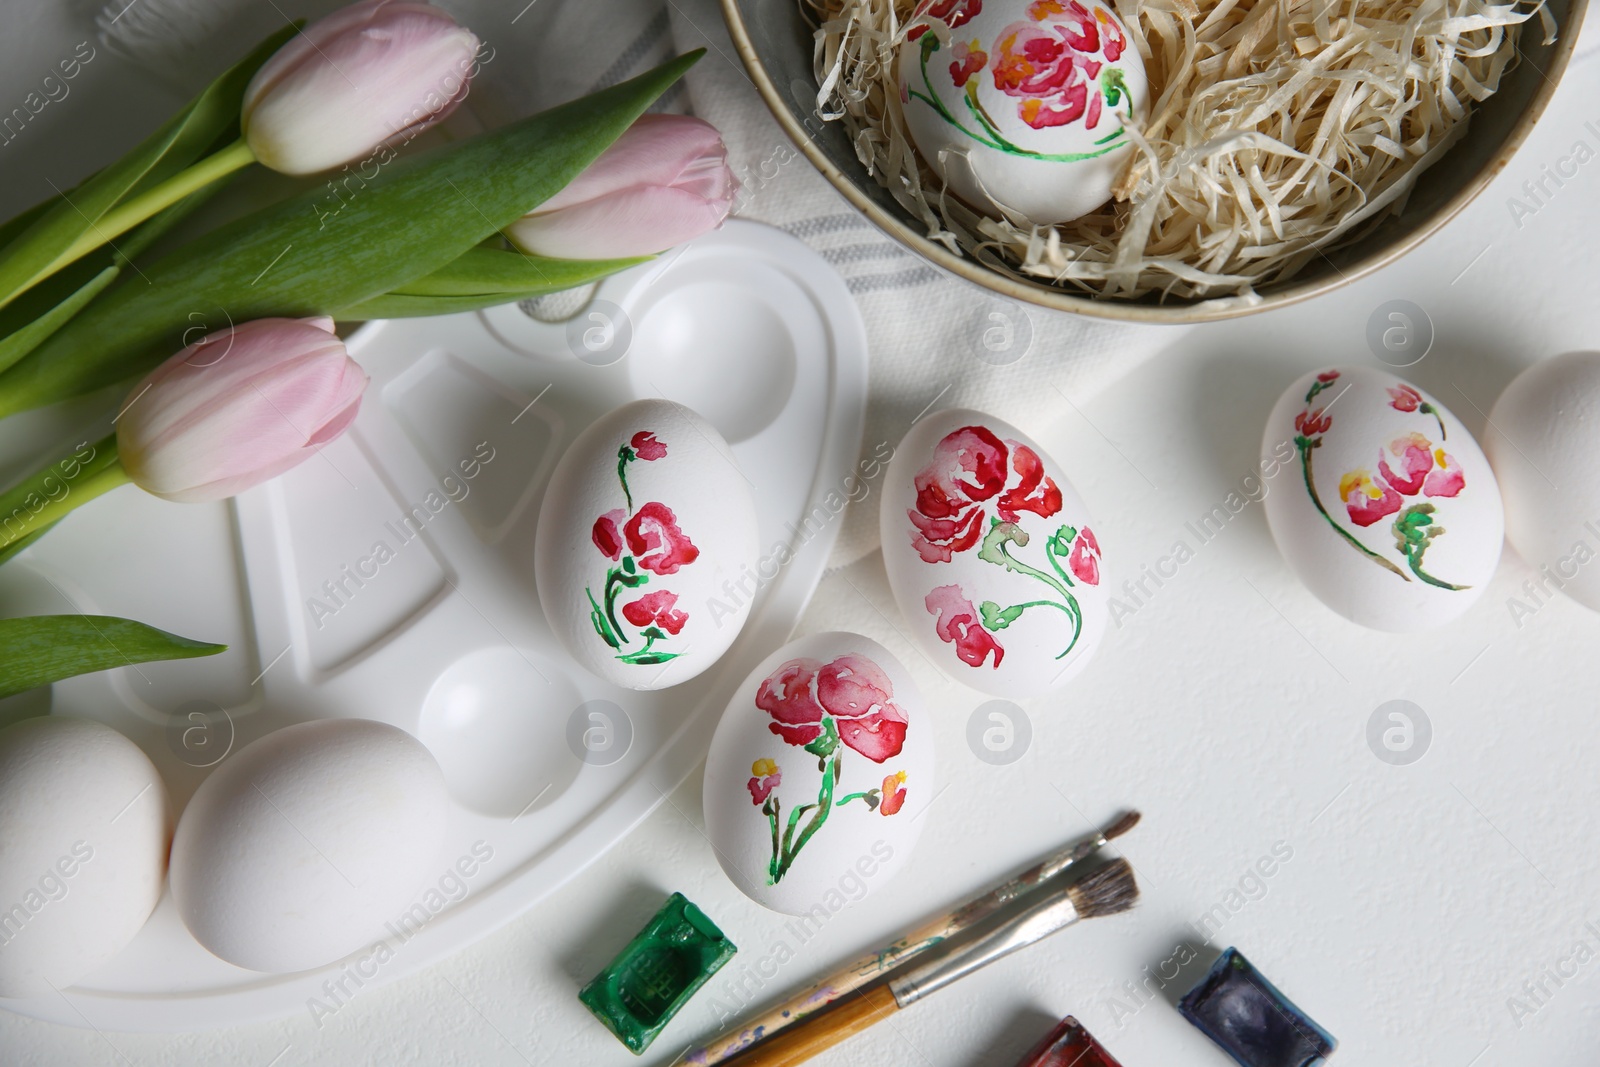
<point x="1107" y="891"/>
<point x="874" y="965"/>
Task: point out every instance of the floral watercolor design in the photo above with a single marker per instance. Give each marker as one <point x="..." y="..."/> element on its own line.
<point x="971" y="495"/>
<point x="638" y="544"/>
<point x="824" y="709"/>
<point x="1410" y="467"/>
<point x="1056" y="63"/>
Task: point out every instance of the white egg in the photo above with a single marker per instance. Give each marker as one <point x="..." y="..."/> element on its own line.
<point x="991" y="555"/>
<point x="646" y="548"/>
<point x="84" y="826"/>
<point x="1023" y="103"/>
<point x="1390" y="514"/>
<point x="299" y="848"/>
<point x="818" y="775"/>
<point x="1544" y="437"/>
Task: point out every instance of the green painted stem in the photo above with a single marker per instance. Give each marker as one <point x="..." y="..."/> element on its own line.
<point x="124" y="217"/>
<point x="1305" y="469"/>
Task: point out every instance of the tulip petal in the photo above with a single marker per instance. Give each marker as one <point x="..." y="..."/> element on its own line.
<point x="632" y="222"/>
<point x="237" y="408"/>
<point x="365" y="76"/>
<point x="661" y="150"/>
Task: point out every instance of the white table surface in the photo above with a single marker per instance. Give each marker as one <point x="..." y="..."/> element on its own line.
<point x="1230" y="708"/>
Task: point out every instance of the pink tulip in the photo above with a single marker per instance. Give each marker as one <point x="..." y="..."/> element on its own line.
<point x="664" y="181"/>
<point x="369" y="74"/>
<point x="237" y="407"/>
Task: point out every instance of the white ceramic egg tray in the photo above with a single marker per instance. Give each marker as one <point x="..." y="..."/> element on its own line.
<point x="443" y="635"/>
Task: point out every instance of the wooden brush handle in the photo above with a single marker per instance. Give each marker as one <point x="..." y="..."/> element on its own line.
<point x="810" y="1037"/>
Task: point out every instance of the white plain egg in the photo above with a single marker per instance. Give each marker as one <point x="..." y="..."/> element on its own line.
<point x="299" y="848"/>
<point x="646" y="548"/>
<point x="1026" y="104"/>
<point x="84" y="826"/>
<point x="838" y="701"/>
<point x="991" y="555"/>
<point x="1543" y="444"/>
<point x="1390" y="514"/>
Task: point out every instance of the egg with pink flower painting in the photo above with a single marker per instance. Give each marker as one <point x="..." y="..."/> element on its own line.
<point x="818" y="775"/>
<point x="991" y="555"/>
<point x="1380" y="500"/>
<point x="645" y="552"/>
<point x="1024" y="105"/>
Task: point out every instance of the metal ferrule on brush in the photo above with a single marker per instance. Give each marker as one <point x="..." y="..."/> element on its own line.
<point x="1045" y="916"/>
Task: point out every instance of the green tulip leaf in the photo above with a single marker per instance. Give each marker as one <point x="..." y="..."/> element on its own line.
<point x="485" y="277"/>
<point x="299" y="258"/>
<point x="47" y="648"/>
<point x="185" y="138"/>
<point x="490" y="270"/>
<point x="43" y="309"/>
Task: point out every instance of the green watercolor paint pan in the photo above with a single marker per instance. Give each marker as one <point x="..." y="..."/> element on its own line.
<point x="654" y="976"/>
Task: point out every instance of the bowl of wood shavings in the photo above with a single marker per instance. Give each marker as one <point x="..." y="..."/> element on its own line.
<point x="1254" y="154"/>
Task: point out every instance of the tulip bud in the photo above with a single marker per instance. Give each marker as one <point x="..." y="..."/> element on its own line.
<point x="237" y="407"/>
<point x="369" y="74"/>
<point x="664" y="181"/>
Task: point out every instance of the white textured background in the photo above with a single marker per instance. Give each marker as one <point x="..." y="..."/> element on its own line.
<point x="1230" y="709"/>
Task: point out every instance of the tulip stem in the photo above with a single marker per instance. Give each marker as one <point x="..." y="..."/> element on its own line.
<point x="128" y="214"/>
<point x="45" y="497"/>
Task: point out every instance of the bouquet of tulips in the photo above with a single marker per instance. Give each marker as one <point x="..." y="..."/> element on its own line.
<point x="554" y="201"/>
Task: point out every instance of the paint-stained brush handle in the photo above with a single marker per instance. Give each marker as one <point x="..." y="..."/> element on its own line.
<point x="875" y="965"/>
<point x="798" y="1043"/>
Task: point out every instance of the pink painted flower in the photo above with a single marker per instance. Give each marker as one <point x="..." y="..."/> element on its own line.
<point x="646" y="447"/>
<point x="1033" y="491"/>
<point x="893" y="797"/>
<point x="858" y="695"/>
<point x="1447" y="479"/>
<point x="852" y="690"/>
<point x="765" y="778"/>
<point x="237" y="407"/>
<point x="1328" y="376"/>
<point x="1084" y="562"/>
<point x="958" y="624"/>
<point x="656" y="609"/>
<point x="1415" y="455"/>
<point x="1404" y="398"/>
<point x="1046" y="64"/>
<point x="952" y="13"/>
<point x="1311" y="423"/>
<point x="969" y="467"/>
<point x="664" y="181"/>
<point x="607" y="534"/>
<point x="969" y="60"/>
<point x="1368" y="501"/>
<point x="366" y="75"/>
<point x="788" y="695"/>
<point x="656" y="542"/>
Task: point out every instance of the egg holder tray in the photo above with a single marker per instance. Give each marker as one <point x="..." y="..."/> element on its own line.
<point x="439" y="631"/>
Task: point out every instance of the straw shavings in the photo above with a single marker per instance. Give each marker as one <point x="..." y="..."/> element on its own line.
<point x="1277" y="131"/>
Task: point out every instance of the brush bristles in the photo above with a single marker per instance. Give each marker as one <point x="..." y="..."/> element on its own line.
<point x="1128" y="821"/>
<point x="1105" y="892"/>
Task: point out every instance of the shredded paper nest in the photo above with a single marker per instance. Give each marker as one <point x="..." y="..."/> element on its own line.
<point x="1276" y="131"/>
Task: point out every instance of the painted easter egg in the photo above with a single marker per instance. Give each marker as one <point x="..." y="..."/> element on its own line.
<point x="818" y="774"/>
<point x="991" y="555"/>
<point x="1391" y="514"/>
<point x="1544" y="437"/>
<point x="1024" y="104"/>
<point x="646" y="527"/>
<point x="307" y="844"/>
<point x="84" y="826"/>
